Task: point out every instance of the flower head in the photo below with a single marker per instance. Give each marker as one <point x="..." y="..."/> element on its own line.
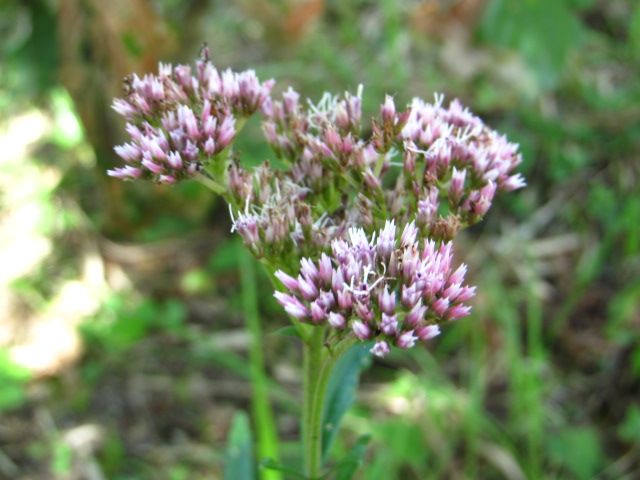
<point x="181" y="118"/>
<point x="431" y="289"/>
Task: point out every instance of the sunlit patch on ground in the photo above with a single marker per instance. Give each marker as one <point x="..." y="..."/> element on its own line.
<point x="42" y="338"/>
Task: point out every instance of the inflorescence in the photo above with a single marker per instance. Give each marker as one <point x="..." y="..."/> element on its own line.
<point x="326" y="223"/>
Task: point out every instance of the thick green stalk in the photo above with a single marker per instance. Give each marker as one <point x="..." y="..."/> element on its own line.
<point x="311" y="431"/>
<point x="318" y="365"/>
<point x="261" y="408"/>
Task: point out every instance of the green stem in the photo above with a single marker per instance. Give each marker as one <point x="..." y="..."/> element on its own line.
<point x="318" y="365"/>
<point x="261" y="408"/>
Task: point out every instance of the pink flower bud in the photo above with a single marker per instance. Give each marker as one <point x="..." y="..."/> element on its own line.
<point x="380" y="349"/>
<point x="307" y="288"/>
<point x="292" y="305"/>
<point x="361" y="329"/>
<point x="388" y="110"/>
<point x="318" y="313"/>
<point x="336" y="320"/>
<point x="458" y="311"/>
<point x="440" y="306"/>
<point x="389" y="324"/>
<point x="406" y="340"/>
<point x="287" y="280"/>
<point x="415" y="315"/>
<point x="427" y="332"/>
<point x="387" y="301"/>
<point x="325" y="269"/>
<point x="174" y="160"/>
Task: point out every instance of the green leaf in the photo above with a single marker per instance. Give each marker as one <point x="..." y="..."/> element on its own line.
<point x="577" y="449"/>
<point x="629" y="430"/>
<point x="13" y="378"/>
<point x="288" y="331"/>
<point x="341" y="391"/>
<point x="634" y="31"/>
<point x="270" y="464"/>
<point x="348" y="466"/>
<point x="239" y="463"/>
<point x="543" y="32"/>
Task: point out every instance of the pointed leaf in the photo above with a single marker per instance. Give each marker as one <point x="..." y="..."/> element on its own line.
<point x="341" y="391"/>
<point x="239" y="463"/>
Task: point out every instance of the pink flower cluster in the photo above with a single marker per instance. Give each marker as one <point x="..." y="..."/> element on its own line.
<point x="459" y="154"/>
<point x="178" y="119"/>
<point x="392" y="290"/>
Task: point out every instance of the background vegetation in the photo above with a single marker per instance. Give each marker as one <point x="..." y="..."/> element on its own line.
<point x="122" y="349"/>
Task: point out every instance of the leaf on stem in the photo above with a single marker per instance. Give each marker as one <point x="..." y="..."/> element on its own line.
<point x="341" y="391"/>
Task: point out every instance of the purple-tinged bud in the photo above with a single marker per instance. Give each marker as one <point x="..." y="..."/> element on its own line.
<point x="270" y="132"/>
<point x="307" y="288"/>
<point x="452" y="291"/>
<point x="361" y="329"/>
<point x="332" y="140"/>
<point x="388" y="110"/>
<point x="466" y="294"/>
<point x="364" y="312"/>
<point x="389" y="324"/>
<point x="326" y="300"/>
<point x="484" y="202"/>
<point x="128" y="152"/>
<point x="440" y="306"/>
<point x="124" y="173"/>
<point x="247" y="227"/>
<point x="292" y="305"/>
<point x="387" y="301"/>
<point x="336" y="320"/>
<point x="387" y="239"/>
<point x="174" y="160"/>
<point x="133" y="131"/>
<point x="226" y="132"/>
<point x="415" y="315"/>
<point x="337" y="280"/>
<point x="371" y="180"/>
<point x="290" y="101"/>
<point x="380" y="349"/>
<point x="325" y="270"/>
<point x="318" y="313"/>
<point x="458" y="275"/>
<point x="409" y="234"/>
<point x="514" y="182"/>
<point x="188" y="120"/>
<point x="309" y="269"/>
<point x="409" y="161"/>
<point x="152" y="147"/>
<point x="428" y="207"/>
<point x="457" y="184"/>
<point x="124" y="108"/>
<point x="458" y="311"/>
<point x="410" y="262"/>
<point x="427" y="332"/>
<point x="183" y="76"/>
<point x="191" y="151"/>
<point x="345" y="299"/>
<point x="209" y="146"/>
<point x="153" y="167"/>
<point x="406" y="340"/>
<point x="287" y="280"/>
<point x="410" y="295"/>
<point x="167" y="179"/>
<point x="209" y="127"/>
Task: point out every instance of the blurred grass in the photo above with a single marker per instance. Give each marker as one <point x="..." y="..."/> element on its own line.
<point x="541" y="381"/>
